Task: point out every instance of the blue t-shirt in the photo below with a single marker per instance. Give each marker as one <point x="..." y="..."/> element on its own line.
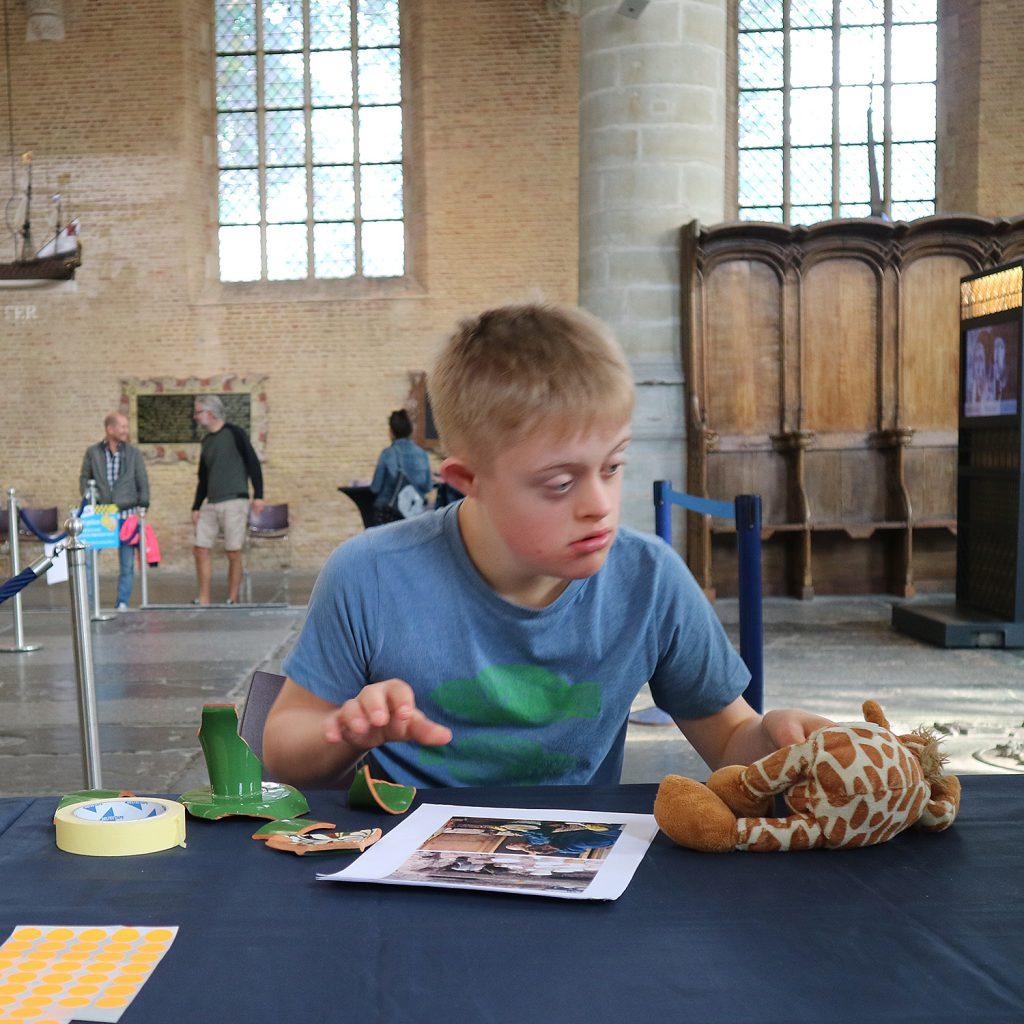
<point x="533" y="696"/>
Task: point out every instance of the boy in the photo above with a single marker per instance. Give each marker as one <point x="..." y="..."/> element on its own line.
<point x="502" y="639"/>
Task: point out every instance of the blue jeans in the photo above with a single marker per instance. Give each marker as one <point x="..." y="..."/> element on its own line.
<point x="126" y="573"/>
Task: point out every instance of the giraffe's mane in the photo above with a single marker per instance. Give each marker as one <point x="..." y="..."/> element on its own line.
<point x="925" y="745"/>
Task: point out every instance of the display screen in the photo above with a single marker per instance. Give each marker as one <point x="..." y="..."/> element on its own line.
<point x="992" y="370"/>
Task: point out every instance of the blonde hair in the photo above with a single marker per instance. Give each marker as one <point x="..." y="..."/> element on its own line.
<point x="509" y="371"/>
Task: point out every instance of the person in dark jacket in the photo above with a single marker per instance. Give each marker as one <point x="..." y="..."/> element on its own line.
<point x="121" y="479"/>
<point x="227" y="463"/>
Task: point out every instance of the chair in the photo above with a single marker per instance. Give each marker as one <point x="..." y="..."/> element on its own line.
<point x="43" y="519"/>
<point x="362" y="498"/>
<point x="263" y="690"/>
<point x="269" y="525"/>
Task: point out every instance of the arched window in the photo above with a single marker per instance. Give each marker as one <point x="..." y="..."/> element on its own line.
<point x="309" y="139"/>
<point x="809" y="71"/>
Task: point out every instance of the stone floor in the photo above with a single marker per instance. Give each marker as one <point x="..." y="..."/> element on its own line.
<point x="155" y="669"/>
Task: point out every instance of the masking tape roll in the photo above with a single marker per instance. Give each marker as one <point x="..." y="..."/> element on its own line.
<point x="120" y="828"/>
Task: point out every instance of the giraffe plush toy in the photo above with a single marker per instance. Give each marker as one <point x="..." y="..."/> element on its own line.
<point x="847" y="785"/>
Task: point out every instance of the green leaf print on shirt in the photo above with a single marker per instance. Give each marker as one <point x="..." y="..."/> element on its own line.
<point x="495" y="758"/>
<point x="525" y="695"/>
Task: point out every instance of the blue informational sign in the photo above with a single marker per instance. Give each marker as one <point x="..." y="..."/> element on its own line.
<point x="100" y="526"/>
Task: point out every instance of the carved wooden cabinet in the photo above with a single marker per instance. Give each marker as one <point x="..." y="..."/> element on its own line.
<point x="821" y="369"/>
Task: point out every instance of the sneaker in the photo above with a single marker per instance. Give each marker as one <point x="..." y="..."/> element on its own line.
<point x="229" y="601"/>
<point x="122" y="607"/>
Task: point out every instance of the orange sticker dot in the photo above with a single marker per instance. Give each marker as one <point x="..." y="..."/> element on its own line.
<point x="35" y="1001"/>
<point x="74" y="1001"/>
<point x="27" y="933"/>
<point x="105" y="1003"/>
<point x="12" y="988"/>
<point x="160" y="935"/>
<point x="7" y="1000"/>
<point x="22" y="976"/>
<point x="16" y="946"/>
<point x="47" y="990"/>
<point x="58" y="977"/>
<point x="84" y="990"/>
<point x="97" y="968"/>
<point x="136" y="968"/>
<point x="48" y="947"/>
<point x="108" y="956"/>
<point x="125" y="935"/>
<point x="92" y="935"/>
<point x="60" y="933"/>
<point x="123" y="989"/>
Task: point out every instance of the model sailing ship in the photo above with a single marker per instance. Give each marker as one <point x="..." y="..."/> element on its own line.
<point x="54" y="261"/>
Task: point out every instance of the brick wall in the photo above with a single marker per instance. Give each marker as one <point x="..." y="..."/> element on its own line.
<point x="123" y="107"/>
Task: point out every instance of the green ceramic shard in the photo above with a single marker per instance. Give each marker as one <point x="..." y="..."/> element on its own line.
<point x="236" y="775"/>
<point x="370" y="794"/>
<point x="290" y="827"/>
<point x="91" y="794"/>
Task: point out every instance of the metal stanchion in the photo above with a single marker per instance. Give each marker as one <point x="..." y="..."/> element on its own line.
<point x="143" y="564"/>
<point x="82" y="635"/>
<point x="19" y="646"/>
<point x="97" y="615"/>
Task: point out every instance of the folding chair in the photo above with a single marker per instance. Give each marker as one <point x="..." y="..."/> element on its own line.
<point x="269" y="525"/>
<point x="263" y="690"/>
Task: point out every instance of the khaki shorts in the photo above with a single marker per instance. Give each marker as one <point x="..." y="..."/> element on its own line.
<point x="228" y="517"/>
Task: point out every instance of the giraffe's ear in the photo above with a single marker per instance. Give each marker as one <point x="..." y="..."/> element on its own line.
<point x="874" y="714"/>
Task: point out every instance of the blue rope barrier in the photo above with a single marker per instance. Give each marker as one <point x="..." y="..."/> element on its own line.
<point x="16" y="584"/>
<point x="45" y="537"/>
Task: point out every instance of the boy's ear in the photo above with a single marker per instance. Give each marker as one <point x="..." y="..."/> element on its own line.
<point x="458" y="474"/>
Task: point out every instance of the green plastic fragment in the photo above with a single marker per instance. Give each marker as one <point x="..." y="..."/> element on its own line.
<point x="290" y="827"/>
<point x="236" y="775"/>
<point x="372" y="794"/>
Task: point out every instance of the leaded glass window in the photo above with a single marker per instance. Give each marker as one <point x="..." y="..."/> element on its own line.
<point x="309" y="139"/>
<point x="809" y="72"/>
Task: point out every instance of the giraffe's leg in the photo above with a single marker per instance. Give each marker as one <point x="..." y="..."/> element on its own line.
<point x="693" y="816"/>
<point x="940" y="810"/>
<point x="766" y="835"/>
<point x="778" y="771"/>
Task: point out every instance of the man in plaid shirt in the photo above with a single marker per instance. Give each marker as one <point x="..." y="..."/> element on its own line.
<point x="121" y="480"/>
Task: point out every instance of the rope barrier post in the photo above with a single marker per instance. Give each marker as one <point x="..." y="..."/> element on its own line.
<point x="19" y="646"/>
<point x="82" y="636"/>
<point x="748" y="544"/>
<point x="663" y="510"/>
<point x="143" y="564"/>
<point x="97" y="615"/>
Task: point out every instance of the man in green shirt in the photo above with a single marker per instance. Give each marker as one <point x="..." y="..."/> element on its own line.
<point x="227" y="462"/>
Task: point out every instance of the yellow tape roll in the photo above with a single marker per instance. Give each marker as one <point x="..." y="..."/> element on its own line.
<point x="121" y="827"/>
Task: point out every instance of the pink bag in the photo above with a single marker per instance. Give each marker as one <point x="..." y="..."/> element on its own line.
<point x="130" y="534"/>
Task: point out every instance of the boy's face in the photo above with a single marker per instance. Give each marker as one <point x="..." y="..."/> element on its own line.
<point x="552" y="501"/>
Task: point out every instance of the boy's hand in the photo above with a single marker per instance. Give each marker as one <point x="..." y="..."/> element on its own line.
<point x="383" y="712"/>
<point x="791" y="725"/>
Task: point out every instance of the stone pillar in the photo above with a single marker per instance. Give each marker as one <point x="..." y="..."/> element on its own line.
<point x="981" y="74"/>
<point x="652" y="158"/>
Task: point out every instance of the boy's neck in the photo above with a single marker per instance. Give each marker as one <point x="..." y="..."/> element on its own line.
<point x="492" y="561"/>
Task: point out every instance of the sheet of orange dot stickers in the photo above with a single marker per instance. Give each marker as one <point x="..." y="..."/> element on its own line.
<point x="52" y="975"/>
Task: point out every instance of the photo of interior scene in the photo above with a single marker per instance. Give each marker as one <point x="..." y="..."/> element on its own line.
<point x="498" y="871"/>
<point x="576" y="839"/>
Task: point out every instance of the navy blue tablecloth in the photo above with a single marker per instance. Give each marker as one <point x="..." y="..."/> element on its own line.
<point x="925" y="928"/>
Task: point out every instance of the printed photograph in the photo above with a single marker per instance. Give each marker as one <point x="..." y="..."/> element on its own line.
<point x="991" y="359"/>
<point x="504" y="871"/>
<point x="566" y="839"/>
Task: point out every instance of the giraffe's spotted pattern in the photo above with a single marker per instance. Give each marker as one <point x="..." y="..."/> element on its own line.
<point x="847" y="786"/>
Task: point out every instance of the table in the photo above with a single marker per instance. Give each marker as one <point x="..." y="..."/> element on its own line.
<point x="925" y="928"/>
